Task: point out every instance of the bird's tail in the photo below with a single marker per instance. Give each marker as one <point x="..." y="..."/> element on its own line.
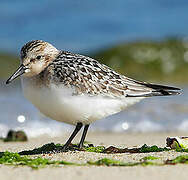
<point x="161" y="90"/>
<point x="154" y="90"/>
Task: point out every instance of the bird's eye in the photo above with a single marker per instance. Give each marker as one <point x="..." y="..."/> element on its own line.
<point x="38" y="57"/>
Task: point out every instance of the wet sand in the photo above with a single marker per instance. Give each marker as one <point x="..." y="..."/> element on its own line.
<point x="98" y="172"/>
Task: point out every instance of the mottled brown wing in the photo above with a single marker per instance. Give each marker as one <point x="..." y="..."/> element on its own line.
<point x="88" y="76"/>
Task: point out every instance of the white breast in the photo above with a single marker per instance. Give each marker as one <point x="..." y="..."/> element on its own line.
<point x="59" y="103"/>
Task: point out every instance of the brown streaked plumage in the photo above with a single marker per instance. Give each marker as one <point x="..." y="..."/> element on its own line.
<point x="88" y="76"/>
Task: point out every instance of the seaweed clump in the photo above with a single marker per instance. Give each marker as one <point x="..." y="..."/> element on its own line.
<point x="182" y="159"/>
<point x="144" y="149"/>
<point x="45" y="149"/>
<point x="56" y="148"/>
<point x="15" y="159"/>
<point x="91" y="148"/>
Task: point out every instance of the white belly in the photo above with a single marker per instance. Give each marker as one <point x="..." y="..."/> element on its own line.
<point x="58" y="103"/>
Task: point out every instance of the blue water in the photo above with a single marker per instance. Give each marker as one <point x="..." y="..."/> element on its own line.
<point x="85" y="25"/>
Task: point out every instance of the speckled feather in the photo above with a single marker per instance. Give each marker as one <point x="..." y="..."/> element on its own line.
<point x="88" y="76"/>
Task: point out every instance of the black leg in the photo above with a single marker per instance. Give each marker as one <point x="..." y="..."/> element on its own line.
<point x="76" y="130"/>
<point x="83" y="136"/>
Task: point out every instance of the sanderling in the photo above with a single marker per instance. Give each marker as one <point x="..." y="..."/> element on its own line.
<point x="76" y="89"/>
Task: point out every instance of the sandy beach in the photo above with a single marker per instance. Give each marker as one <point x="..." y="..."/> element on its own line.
<point x="98" y="172"/>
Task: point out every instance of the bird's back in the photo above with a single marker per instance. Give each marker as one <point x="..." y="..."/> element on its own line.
<point x="87" y="76"/>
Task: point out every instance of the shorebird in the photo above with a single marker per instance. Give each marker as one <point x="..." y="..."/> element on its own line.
<point x="76" y="89"/>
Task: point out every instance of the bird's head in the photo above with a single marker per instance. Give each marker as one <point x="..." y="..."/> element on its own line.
<point x="35" y="57"/>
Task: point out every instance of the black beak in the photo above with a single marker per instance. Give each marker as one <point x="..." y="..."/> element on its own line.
<point x="18" y="72"/>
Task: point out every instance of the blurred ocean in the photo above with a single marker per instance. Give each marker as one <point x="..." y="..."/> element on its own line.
<point x="150" y="115"/>
<point x="84" y="26"/>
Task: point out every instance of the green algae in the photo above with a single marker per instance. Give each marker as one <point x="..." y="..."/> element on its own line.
<point x="182" y="159"/>
<point x="15" y="159"/>
<point x="150" y="158"/>
<point x="181" y="149"/>
<point x="145" y="161"/>
<point x="112" y="162"/>
<point x="145" y="149"/>
<point x="109" y="162"/>
<point x="97" y="149"/>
